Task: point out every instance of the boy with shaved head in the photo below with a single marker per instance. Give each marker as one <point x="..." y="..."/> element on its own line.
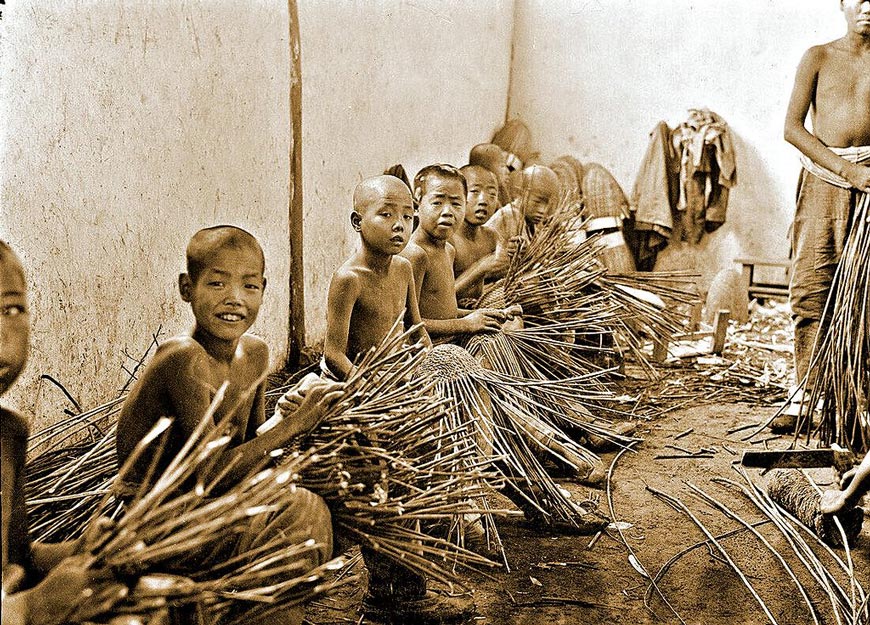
<point x="492" y="157"/>
<point x="224" y="286"/>
<point x="367" y="294"/>
<point x="534" y="196"/>
<point x="374" y="287"/>
<point x="833" y="86"/>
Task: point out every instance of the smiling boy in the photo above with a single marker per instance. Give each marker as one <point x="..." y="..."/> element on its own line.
<point x="224" y="286"/>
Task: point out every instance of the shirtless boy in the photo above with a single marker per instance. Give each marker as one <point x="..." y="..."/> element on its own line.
<point x="440" y="191"/>
<point x="533" y="199"/>
<point x="492" y="157"/>
<point x="833" y="86"/>
<point x="224" y="285"/>
<point x="475" y="242"/>
<point x="375" y="286"/>
<point x="367" y="295"/>
<point x="42" y="583"/>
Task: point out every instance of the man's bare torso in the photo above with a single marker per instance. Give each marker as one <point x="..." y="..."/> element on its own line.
<point x="841" y="102"/>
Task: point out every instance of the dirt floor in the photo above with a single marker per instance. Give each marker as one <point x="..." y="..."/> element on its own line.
<point x="561" y="579"/>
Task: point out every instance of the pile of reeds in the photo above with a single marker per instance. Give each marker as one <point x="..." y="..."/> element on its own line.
<point x="840" y="371"/>
<point x="71" y="467"/>
<point x="565" y="290"/>
<point x="396" y="477"/>
<point x="169" y="520"/>
<point x="805" y="559"/>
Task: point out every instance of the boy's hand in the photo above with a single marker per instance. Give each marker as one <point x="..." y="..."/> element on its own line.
<point x="73" y="588"/>
<point x="513" y="311"/>
<point x="513" y="245"/>
<point x="858" y="176"/>
<point x="485" y="320"/>
<point x="318" y="399"/>
<point x="292" y="399"/>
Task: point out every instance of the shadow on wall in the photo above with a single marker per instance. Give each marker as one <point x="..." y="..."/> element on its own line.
<point x="758" y="222"/>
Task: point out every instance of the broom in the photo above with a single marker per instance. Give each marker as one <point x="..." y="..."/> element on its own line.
<point x="171" y="520"/>
<point x="397" y="474"/>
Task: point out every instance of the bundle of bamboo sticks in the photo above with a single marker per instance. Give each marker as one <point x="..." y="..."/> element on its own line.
<point x="839" y="376"/>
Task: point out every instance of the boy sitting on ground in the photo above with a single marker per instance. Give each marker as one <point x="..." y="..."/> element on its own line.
<point x="475" y="242"/>
<point x="375" y="285"/>
<point x="533" y="199"/>
<point x="367" y="295"/>
<point x="43" y="584"/>
<point x="492" y="157"/>
<point x="440" y="191"/>
<point x="224" y="285"/>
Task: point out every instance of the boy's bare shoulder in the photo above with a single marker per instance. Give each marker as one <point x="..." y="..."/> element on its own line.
<point x="177" y="349"/>
<point x="254" y="346"/>
<point x="414" y="252"/>
<point x="402" y="264"/>
<point x="348" y="277"/>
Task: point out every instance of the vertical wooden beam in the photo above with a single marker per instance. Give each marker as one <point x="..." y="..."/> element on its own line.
<point x="297" y="283"/>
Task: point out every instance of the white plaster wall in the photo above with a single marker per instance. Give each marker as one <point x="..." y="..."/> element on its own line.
<point x="385" y="82"/>
<point x="127" y="126"/>
<point x="592" y="77"/>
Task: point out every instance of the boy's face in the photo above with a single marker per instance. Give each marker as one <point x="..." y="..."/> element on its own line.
<point x="482" y="198"/>
<point x="228" y="292"/>
<point x="14" y="322"/>
<point x="442" y="207"/>
<point x="386" y="222"/>
<point x="857" y="14"/>
<point x="535" y="202"/>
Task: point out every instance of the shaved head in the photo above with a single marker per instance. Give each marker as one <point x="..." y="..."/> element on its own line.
<point x="377" y="188"/>
<point x="209" y="240"/>
<point x="487" y="155"/>
<point x="477" y="172"/>
<point x="538" y="178"/>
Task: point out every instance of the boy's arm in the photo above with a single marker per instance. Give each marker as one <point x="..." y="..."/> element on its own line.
<point x="478" y="321"/>
<point x="796" y="133"/>
<point x="857" y="484"/>
<point x="412" y="311"/>
<point x="344" y="289"/>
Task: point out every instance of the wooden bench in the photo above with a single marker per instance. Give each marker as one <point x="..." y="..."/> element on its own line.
<point x="758" y="289"/>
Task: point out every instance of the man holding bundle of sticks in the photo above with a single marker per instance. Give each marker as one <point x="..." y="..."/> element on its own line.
<point x="833" y="81"/>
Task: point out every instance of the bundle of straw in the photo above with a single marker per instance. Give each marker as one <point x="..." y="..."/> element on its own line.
<point x="169" y="521"/>
<point x="840" y="371"/>
<point x="509" y="432"/>
<point x="71" y="469"/>
<point x="396" y="477"/>
<point x="560" y="283"/>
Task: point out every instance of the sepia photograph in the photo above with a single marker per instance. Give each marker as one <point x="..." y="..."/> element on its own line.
<point x="423" y="312"/>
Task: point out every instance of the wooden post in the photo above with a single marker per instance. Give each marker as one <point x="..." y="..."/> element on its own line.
<point x="296" y="316"/>
<point x="720" y="330"/>
<point x="695" y="317"/>
<point x="660" y="350"/>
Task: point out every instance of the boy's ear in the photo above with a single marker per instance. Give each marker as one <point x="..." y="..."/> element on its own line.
<point x="356" y="221"/>
<point x="185" y="286"/>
